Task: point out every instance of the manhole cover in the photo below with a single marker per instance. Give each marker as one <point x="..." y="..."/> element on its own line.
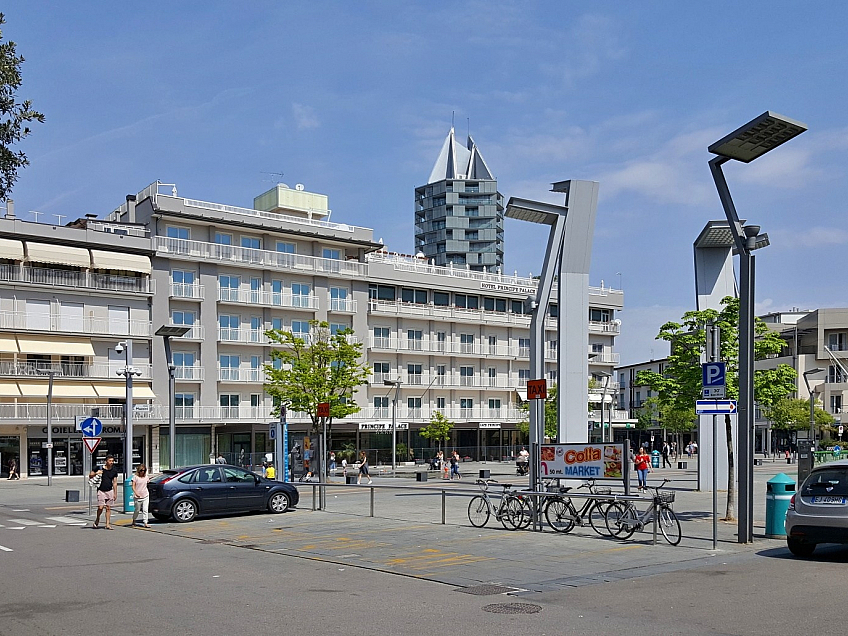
<point x="485" y="590"/>
<point x="512" y="608"/>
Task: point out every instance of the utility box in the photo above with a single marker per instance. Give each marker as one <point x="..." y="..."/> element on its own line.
<point x="350" y="479"/>
<point x="72" y="495"/>
<point x="421" y="476"/>
<point x="806" y="458"/>
<point x="779" y="492"/>
<point x="485" y="474"/>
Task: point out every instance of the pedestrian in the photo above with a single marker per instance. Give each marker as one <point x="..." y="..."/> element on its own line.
<point x="13" y="469"/>
<point x="363" y="467"/>
<point x="454" y="466"/>
<point x="643" y="467"/>
<point x="270" y="472"/>
<point x="141" y="494"/>
<point x="106" y="490"/>
<point x="665" y="452"/>
<point x="445" y="469"/>
<point x="344" y="467"/>
<point x="332" y="463"/>
<point x="241" y="458"/>
<point x="689" y="450"/>
<point x="220" y="459"/>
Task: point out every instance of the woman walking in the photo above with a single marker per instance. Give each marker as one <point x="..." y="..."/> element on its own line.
<point x="141" y="494"/>
<point x="13" y="469"/>
<point x="643" y="467"/>
<point x="363" y="467"/>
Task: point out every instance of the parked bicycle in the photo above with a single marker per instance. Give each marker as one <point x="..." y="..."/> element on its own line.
<point x="562" y="515"/>
<point x="623" y="519"/>
<point x="513" y="510"/>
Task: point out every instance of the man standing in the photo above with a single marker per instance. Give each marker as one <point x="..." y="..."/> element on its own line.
<point x="106" y="491"/>
<point x="665" y="452"/>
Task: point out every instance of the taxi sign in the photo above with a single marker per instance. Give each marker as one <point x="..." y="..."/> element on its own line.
<point x="537" y="389"/>
<point x="323" y="409"/>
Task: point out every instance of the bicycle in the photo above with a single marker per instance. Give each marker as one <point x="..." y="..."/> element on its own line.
<point x="562" y="515"/>
<point x="513" y="511"/>
<point x="623" y="519"/>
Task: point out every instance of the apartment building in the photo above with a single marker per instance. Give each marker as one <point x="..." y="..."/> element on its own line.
<point x="455" y="338"/>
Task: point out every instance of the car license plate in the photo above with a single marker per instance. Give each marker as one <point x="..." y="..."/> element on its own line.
<point x="823" y="499"/>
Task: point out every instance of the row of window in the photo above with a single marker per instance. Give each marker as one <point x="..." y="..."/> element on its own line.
<point x="234" y="321"/>
<point x="382" y="402"/>
<point x="250" y="242"/>
<point x="384" y="368"/>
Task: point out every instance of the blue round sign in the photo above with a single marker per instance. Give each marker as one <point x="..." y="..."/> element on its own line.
<point x="837" y="450"/>
<point x="91" y="427"/>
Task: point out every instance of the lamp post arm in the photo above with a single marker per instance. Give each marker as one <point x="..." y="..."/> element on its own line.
<point x="727" y="203"/>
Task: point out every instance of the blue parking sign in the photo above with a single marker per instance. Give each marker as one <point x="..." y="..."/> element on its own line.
<point x="713" y="379"/>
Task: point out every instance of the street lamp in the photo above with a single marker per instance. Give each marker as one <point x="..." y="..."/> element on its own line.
<point x="396" y="384"/>
<point x="812" y="404"/>
<point x="754" y="139"/>
<point x="128" y="372"/>
<point x="606" y="377"/>
<point x="167" y="332"/>
<point x="51" y="373"/>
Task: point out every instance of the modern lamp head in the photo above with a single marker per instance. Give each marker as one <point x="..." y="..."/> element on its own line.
<point x="173" y="331"/>
<point x="757" y="137"/>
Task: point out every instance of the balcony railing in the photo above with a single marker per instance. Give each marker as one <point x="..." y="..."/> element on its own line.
<point x="195" y="332"/>
<point x="612" y="327"/>
<point x="76" y="280"/>
<point x="188" y="373"/>
<point x="104" y="370"/>
<point x="269" y="299"/>
<point x="251" y="336"/>
<point x="603" y="357"/>
<point x="342" y="305"/>
<point x="68" y="411"/>
<point x="458" y="348"/>
<point x="263" y="259"/>
<point x="187" y="290"/>
<point x="456" y="413"/>
<point x="74" y="324"/>
<point x="229" y="374"/>
<point x="450" y="380"/>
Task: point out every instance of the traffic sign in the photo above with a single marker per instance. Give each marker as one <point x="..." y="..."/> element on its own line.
<point x="90" y="427"/>
<point x="323" y="409"/>
<point x="713" y="379"/>
<point x="537" y="389"/>
<point x="91" y="443"/>
<point x="272" y="430"/>
<point x="715" y="407"/>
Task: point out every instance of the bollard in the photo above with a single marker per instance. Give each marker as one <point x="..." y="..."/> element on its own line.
<point x="421" y="476"/>
<point x="682" y="465"/>
<point x="72" y="495"/>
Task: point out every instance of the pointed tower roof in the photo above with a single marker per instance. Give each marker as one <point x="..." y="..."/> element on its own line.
<point x="458" y="162"/>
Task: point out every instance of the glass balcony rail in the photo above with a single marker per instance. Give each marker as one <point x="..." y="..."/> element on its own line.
<point x="195" y="332"/>
<point x="611" y="327"/>
<point x="267" y="298"/>
<point x="75" y="324"/>
<point x="76" y="280"/>
<point x="263" y="259"/>
<point x="188" y="373"/>
<point x="415" y="310"/>
<point x="100" y="370"/>
<point x="603" y="357"/>
<point x="252" y="336"/>
<point x="230" y="374"/>
<point x="456" y="413"/>
<point x="68" y="411"/>
<point x="448" y="380"/>
<point x="185" y="290"/>
<point x="343" y="305"/>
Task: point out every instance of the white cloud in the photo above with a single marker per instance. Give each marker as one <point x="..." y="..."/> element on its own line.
<point x="304" y="116"/>
<point x="639" y="328"/>
<point x="817" y="236"/>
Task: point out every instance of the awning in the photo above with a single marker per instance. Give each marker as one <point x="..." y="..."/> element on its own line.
<point x="140" y="391"/>
<point x="9" y="389"/>
<point x="11" y="249"/>
<point x="60" y="389"/>
<point x="522" y="394"/>
<point x="121" y="262"/>
<point x="8" y="344"/>
<point x="58" y="254"/>
<point x="594" y="397"/>
<point x="59" y="346"/>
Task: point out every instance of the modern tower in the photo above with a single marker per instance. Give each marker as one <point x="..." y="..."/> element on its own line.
<point x="459" y="213"/>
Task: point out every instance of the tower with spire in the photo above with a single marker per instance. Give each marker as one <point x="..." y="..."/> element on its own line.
<point x="459" y="212"/>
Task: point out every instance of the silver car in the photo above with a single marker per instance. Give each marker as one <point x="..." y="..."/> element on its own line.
<point x="818" y="512"/>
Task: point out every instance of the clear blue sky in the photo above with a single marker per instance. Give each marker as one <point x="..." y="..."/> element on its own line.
<point x="353" y="99"/>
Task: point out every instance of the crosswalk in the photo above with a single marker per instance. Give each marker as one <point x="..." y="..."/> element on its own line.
<point x="46" y="522"/>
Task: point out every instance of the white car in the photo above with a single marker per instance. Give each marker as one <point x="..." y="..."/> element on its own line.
<point x="818" y="512"/>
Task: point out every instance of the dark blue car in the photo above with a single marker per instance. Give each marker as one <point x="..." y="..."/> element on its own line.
<point x="186" y="493"/>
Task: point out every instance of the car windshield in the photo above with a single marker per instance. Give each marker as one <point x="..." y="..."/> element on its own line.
<point x="829" y="481"/>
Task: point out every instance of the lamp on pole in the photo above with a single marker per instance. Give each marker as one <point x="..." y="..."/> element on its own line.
<point x="754" y="139"/>
<point x="167" y="332"/>
<point x="128" y="372"/>
<point x="396" y="384"/>
<point x="812" y="404"/>
<point x="606" y="377"/>
<point x="51" y="373"/>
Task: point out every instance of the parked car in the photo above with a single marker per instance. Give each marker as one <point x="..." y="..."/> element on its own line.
<point x="186" y="493"/>
<point x="818" y="512"/>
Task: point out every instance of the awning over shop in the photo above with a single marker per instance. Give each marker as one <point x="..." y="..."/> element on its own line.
<point x="122" y="262"/>
<point x="11" y="249"/>
<point x="522" y="394"/>
<point x="9" y="389"/>
<point x="60" y="389"/>
<point x="594" y="397"/>
<point x="8" y="344"/>
<point x="58" y="346"/>
<point x="140" y="391"/>
<point x="58" y="254"/>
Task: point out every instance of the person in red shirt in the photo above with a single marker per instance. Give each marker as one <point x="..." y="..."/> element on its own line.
<point x="642" y="462"/>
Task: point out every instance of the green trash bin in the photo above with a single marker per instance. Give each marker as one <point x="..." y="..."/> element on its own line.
<point x="779" y="490"/>
<point x="129" y="500"/>
<point x="655" y="459"/>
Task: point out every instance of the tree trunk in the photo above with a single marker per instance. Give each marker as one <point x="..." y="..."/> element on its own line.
<point x="730" y="515"/>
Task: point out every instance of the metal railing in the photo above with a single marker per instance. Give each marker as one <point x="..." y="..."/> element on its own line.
<point x="187" y="290"/>
<point x="74" y="324"/>
<point x="76" y="280"/>
<point x="267" y="298"/>
<point x="72" y="370"/>
<point x="230" y="374"/>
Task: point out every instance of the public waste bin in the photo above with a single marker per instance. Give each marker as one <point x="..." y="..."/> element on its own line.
<point x="129" y="500"/>
<point x="655" y="459"/>
<point x="779" y="490"/>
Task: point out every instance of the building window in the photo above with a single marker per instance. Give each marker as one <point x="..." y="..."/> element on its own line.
<point x="251" y="242"/>
<point x="553" y="310"/>
<point x="523" y="347"/>
<point x="381" y="292"/>
<point x="835" y="375"/>
<point x="300" y="329"/>
<point x="517" y="306"/>
<point x="300" y="294"/>
<point x="185" y="405"/>
<point x="597" y="348"/>
<point x="494" y="304"/>
<point x="176" y="232"/>
<point x="440" y="374"/>
<point x="466" y="404"/>
<point x="494" y="404"/>
<point x="335" y="255"/>
<point x="286" y="248"/>
<point x="599" y="315"/>
<point x="337" y="327"/>
<point x="835" y="404"/>
<point x="417" y="296"/>
<point x="413" y="374"/>
<point x="441" y="299"/>
<point x="223" y="239"/>
<point x="381" y="337"/>
<point x="466" y="302"/>
<point x="338" y="298"/>
<point x="413" y="403"/>
<point x="466" y="376"/>
<point x="836" y="342"/>
<point x="182" y="317"/>
<point x="440" y="403"/>
<point x="523" y="376"/>
<point x="415" y="340"/>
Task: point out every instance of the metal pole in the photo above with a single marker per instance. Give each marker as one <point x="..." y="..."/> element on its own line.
<point x="812" y="415"/>
<point x="51" y="373"/>
<point x="128" y="371"/>
<point x="715" y="356"/>
<point x="394" y="428"/>
<point x="172" y="406"/>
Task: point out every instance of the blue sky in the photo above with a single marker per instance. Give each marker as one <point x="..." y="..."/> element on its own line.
<point x="353" y="99"/>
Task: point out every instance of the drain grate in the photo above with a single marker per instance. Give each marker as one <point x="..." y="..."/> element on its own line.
<point x="512" y="608"/>
<point x="485" y="590"/>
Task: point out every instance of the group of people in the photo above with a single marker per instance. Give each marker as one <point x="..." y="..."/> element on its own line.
<point x="106" y="481"/>
<point x="449" y="467"/>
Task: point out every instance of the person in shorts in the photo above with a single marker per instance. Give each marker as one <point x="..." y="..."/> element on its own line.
<point x="363" y="467"/>
<point x="106" y="491"/>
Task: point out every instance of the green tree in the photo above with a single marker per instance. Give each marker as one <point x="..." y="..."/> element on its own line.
<point x="438" y="429"/>
<point x="671" y="419"/>
<point x="324" y="367"/>
<point x="551" y="421"/>
<point x="793" y="414"/>
<point x="679" y="386"/>
<point x="13" y="115"/>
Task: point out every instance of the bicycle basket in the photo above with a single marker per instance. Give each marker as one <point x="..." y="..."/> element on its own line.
<point x="665" y="496"/>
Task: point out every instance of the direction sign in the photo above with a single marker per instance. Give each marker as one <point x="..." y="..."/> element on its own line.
<point x="713" y="379"/>
<point x="715" y="407"/>
<point x="90" y="427"/>
<point x="91" y="443"/>
<point x="537" y="389"/>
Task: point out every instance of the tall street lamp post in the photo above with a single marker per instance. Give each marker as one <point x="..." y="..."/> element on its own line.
<point x="396" y="384"/>
<point x="812" y="404"/>
<point x="607" y="377"/>
<point x="745" y="144"/>
<point x="128" y="372"/>
<point x="167" y="332"/>
<point x="51" y="373"/>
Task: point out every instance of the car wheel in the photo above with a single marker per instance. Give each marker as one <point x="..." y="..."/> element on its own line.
<point x="800" y="548"/>
<point x="278" y="502"/>
<point x="185" y="510"/>
<point x="160" y="517"/>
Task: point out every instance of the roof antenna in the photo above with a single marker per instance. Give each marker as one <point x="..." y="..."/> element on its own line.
<point x="468" y="121"/>
<point x="453" y="112"/>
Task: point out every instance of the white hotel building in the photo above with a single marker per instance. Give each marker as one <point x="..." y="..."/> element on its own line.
<point x="458" y="340"/>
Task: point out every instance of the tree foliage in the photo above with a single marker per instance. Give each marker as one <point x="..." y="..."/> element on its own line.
<point x="324" y="367"/>
<point x="551" y="423"/>
<point x="13" y="115"/>
<point x="438" y="429"/>
<point x="792" y="414"/>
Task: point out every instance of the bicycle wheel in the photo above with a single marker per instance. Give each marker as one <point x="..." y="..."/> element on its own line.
<point x="621" y="520"/>
<point x="519" y="513"/>
<point x="560" y="514"/>
<point x="478" y="511"/>
<point x="670" y="526"/>
<point x="597" y="517"/>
